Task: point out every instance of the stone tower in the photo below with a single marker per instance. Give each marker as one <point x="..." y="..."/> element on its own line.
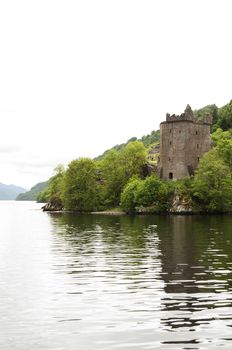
<point x="183" y="141"/>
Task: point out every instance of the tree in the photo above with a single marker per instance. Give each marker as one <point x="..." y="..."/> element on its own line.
<point x="113" y="178"/>
<point x="224" y="120"/>
<point x="81" y="188"/>
<point x="133" y="158"/>
<point x="150" y="193"/>
<point x="118" y="167"/>
<point x="53" y="193"/>
<point x="212" y="184"/>
<point x="223" y="145"/>
<point x="129" y="195"/>
<point x="209" y="109"/>
<point x="154" y="192"/>
<point x="153" y="137"/>
<point x="42" y="196"/>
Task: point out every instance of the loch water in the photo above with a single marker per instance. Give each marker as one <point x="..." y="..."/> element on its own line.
<point x="92" y="282"/>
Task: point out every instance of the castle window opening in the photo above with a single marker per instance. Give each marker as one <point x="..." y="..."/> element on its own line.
<point x="196" y="132"/>
<point x="198" y="145"/>
<point x="169" y="159"/>
<point x="198" y="158"/>
<point x="170" y="176"/>
<point x="170" y="131"/>
<point x="170" y="142"/>
<point x="179" y="131"/>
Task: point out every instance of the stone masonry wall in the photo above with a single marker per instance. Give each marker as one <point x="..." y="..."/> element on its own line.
<point x="183" y="141"/>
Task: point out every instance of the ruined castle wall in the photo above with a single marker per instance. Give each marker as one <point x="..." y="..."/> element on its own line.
<point x="183" y="142"/>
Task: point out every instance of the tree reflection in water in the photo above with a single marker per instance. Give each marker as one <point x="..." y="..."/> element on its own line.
<point x="173" y="271"/>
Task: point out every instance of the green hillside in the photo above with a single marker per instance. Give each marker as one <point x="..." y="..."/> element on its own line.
<point x="31" y="195"/>
<point x="147" y="141"/>
<point x="222" y="117"/>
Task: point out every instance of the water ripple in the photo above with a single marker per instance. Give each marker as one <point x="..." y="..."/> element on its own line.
<point x="115" y="282"/>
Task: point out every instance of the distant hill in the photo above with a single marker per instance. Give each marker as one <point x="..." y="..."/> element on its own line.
<point x="31" y="195"/>
<point x="10" y="192"/>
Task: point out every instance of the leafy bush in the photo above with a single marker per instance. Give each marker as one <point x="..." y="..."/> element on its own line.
<point x="81" y="188"/>
<point x="212" y="184"/>
<point x="151" y="194"/>
<point x="118" y="167"/>
<point x="129" y="195"/>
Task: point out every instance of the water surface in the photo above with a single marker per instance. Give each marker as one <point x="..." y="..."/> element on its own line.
<point x="96" y="282"/>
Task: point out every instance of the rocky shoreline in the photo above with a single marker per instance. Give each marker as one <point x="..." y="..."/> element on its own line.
<point x="180" y="205"/>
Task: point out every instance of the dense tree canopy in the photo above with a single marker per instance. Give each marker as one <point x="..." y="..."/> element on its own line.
<point x="129" y="195"/>
<point x="81" y="188"/>
<point x="224" y="120"/>
<point x="212" y="184"/>
<point x="151" y="193"/>
<point x="119" y="167"/>
<point x="222" y="117"/>
<point x="54" y="190"/>
<point x="223" y="145"/>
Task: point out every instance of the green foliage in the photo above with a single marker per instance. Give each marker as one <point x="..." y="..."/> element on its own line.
<point x="223" y="145"/>
<point x="129" y="195"/>
<point x="118" y="168"/>
<point x="53" y="193"/>
<point x="132" y="139"/>
<point x="154" y="193"/>
<point x="151" y="138"/>
<point x="212" y="185"/>
<point x="43" y="196"/>
<point x="183" y="186"/>
<point x="151" y="193"/>
<point x="209" y="109"/>
<point x="224" y="120"/>
<point x="133" y="158"/>
<point x="147" y="141"/>
<point x="222" y="117"/>
<point x="113" y="178"/>
<point x="81" y="188"/>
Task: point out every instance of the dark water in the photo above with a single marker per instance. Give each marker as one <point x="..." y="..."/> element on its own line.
<point x="95" y="282"/>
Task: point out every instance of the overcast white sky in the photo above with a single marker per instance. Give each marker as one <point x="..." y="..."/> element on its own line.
<point x="78" y="77"/>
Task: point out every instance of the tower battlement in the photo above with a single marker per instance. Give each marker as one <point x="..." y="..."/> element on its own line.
<point x="189" y="116"/>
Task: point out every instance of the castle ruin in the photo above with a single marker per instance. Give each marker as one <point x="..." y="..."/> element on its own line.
<point x="183" y="141"/>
